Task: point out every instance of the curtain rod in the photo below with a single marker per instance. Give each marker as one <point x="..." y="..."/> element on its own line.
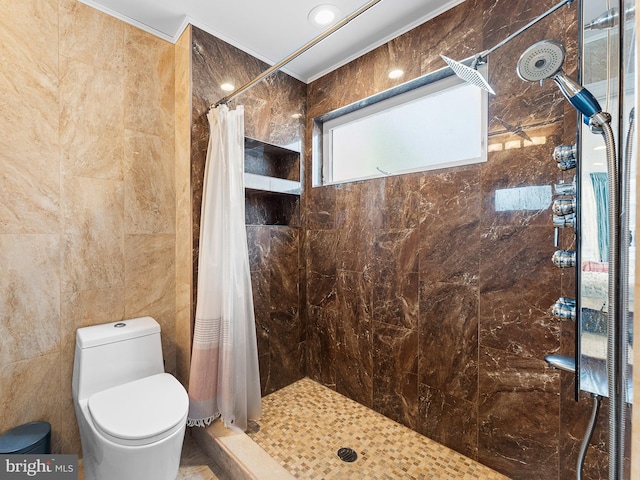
<point x="297" y="53"/>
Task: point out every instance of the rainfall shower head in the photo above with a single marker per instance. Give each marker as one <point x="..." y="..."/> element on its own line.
<point x="468" y="74"/>
<point x="544" y="60"/>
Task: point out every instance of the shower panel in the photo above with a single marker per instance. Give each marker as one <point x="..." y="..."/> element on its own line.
<point x="598" y="203"/>
<point x="608" y="69"/>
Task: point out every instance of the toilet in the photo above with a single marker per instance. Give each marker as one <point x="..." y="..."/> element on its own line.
<point x="132" y="415"/>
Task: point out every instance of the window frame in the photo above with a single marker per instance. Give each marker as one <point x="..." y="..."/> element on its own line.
<point x="440" y="80"/>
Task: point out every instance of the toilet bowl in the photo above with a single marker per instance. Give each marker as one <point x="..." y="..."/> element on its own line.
<point x="132" y="415"/>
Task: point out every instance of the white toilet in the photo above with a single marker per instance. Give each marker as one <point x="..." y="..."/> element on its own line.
<point x="132" y="416"/>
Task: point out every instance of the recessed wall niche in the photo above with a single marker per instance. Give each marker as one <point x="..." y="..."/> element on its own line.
<point x="272" y="184"/>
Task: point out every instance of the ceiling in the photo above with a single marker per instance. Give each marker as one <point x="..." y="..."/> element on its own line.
<point x="272" y="29"/>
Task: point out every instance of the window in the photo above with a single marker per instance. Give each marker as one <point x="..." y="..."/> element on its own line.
<point x="435" y="121"/>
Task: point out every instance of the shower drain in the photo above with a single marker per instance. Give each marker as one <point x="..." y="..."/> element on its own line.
<point x="347" y="454"/>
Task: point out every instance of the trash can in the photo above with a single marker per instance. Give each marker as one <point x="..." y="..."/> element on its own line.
<point x="31" y="438"/>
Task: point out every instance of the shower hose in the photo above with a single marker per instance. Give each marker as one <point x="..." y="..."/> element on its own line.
<point x="587" y="436"/>
<point x="613" y="327"/>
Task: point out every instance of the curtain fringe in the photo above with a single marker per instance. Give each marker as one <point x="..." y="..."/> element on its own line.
<point x="201" y="422"/>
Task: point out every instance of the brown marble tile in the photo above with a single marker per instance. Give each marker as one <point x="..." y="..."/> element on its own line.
<point x="395" y="284"/>
<point x="518" y="415"/>
<point x="404" y="53"/>
<point x="321" y="267"/>
<point x="450" y="226"/>
<point x="354" y="337"/>
<point x="259" y="244"/>
<point x="269" y="106"/>
<point x="321" y="345"/>
<point x="321" y="205"/>
<point x="286" y="364"/>
<point x="448" y="420"/>
<point x="456" y="33"/>
<point x="399" y="203"/>
<point x="449" y="339"/>
<point x="355" y="228"/>
<point x="285" y="327"/>
<point x="573" y="426"/>
<point x="321" y="251"/>
<point x="276" y="209"/>
<point x="395" y="368"/>
<point x="524" y="165"/>
<point x="500" y="20"/>
<point x="321" y="290"/>
<point x="264" y="365"/>
<point x="270" y="109"/>
<point x="283" y="264"/>
<point x="517" y="288"/>
<point x="260" y="286"/>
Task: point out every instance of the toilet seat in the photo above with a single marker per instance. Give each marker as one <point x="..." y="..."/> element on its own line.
<point x="140" y="412"/>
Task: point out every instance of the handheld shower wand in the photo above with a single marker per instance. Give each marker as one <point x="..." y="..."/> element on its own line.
<point x="544" y="60"/>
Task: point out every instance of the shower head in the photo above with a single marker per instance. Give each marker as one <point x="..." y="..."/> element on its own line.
<point x="468" y="74"/>
<point x="541" y="60"/>
<point x="544" y="60"/>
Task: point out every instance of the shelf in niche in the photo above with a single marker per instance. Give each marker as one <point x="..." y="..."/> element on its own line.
<point x="259" y="183"/>
<point x="271" y="168"/>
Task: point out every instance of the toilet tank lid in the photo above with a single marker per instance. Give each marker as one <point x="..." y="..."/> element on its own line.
<point x="106" y="333"/>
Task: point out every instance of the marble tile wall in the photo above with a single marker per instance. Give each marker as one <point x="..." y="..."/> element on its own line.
<point x="275" y="242"/>
<point x="184" y="274"/>
<point x="424" y="302"/>
<point x="88" y="215"/>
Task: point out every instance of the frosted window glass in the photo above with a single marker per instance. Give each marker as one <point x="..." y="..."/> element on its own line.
<point x="442" y="127"/>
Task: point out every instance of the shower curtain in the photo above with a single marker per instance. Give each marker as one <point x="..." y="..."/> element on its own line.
<point x="224" y="379"/>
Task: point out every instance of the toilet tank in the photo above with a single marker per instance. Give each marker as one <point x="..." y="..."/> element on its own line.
<point x="115" y="353"/>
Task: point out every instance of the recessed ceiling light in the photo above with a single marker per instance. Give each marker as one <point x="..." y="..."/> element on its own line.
<point x="323" y="15"/>
<point x="227" y="87"/>
<point x="396" y="73"/>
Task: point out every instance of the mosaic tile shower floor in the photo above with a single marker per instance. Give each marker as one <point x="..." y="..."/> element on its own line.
<point x="303" y="426"/>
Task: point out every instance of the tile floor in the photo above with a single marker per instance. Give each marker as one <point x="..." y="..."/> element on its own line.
<point x="304" y="425"/>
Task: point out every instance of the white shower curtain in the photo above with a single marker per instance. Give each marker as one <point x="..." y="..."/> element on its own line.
<point x="224" y="378"/>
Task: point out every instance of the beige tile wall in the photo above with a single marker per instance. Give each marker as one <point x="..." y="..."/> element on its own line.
<point x="87" y="198"/>
<point x="184" y="257"/>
